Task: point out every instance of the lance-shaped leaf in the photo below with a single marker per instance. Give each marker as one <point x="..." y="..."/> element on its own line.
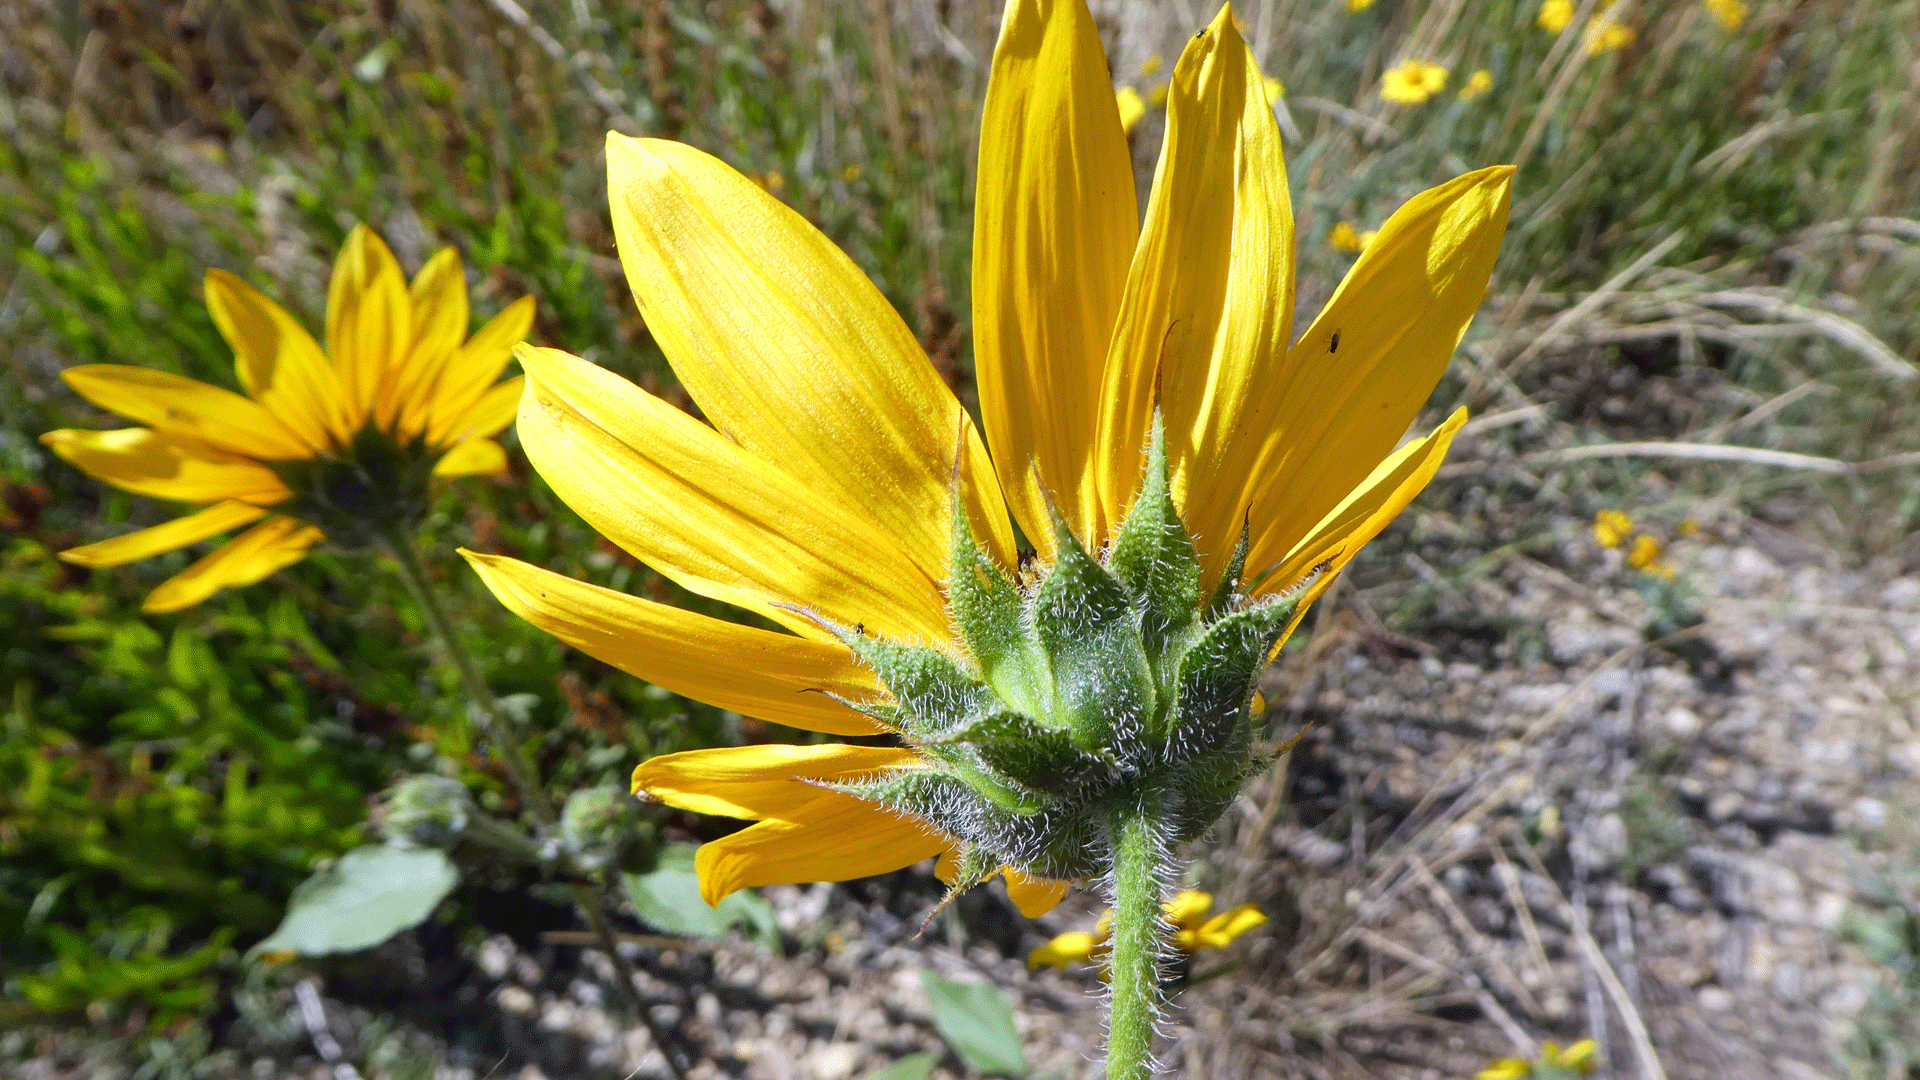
<point x="931" y="692"/>
<point x="1217" y="675"/>
<point x="1227" y="590"/>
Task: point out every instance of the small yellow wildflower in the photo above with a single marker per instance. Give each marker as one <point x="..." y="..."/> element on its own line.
<point x="1357" y="6"/>
<point x="1689" y="527"/>
<point x="1477" y="84"/>
<point x="1644" y="552"/>
<point x="1150" y="65"/>
<point x="1274" y="87"/>
<point x="1131" y="107"/>
<point x="1605" y="33"/>
<point x="1343" y="237"/>
<point x="1555" y="15"/>
<point x="1411" y="82"/>
<point x="1610" y="527"/>
<point x="1728" y="13"/>
<point x="850" y="173"/>
<point x="1578" y="1059"/>
<point x="1194" y="931"/>
<point x="774" y="183"/>
<point x="1157" y="96"/>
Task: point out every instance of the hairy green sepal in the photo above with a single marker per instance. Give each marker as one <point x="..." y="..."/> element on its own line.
<point x="1110" y="683"/>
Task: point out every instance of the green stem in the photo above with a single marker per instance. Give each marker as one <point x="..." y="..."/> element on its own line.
<point x="1138" y="941"/>
<point x="591" y="900"/>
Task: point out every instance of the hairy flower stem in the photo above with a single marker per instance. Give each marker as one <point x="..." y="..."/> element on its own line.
<point x="590" y="899"/>
<point x="1138" y="937"/>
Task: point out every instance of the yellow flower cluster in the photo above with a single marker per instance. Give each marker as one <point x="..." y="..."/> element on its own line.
<point x="1344" y="237"/>
<point x="1604" y="32"/>
<point x="1411" y="82"/>
<point x="1478" y="83"/>
<point x="1194" y="931"/>
<point x="1611" y="528"/>
<point x="1554" y="1062"/>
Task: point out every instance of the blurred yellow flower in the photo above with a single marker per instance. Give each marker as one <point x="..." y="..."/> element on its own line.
<point x="1728" y="13"/>
<point x="1689" y="527"/>
<point x="1274" y="87"/>
<point x="344" y="439"/>
<point x="850" y="173"/>
<point x="1359" y="5"/>
<point x="1644" y="552"/>
<point x="1555" y="15"/>
<point x="1157" y="96"/>
<point x="1189" y="913"/>
<point x="1610" y="527"/>
<point x="1131" y="107"/>
<point x="1477" y="84"/>
<point x="1411" y="82"/>
<point x="1342" y="237"/>
<point x="1150" y="65"/>
<point x="1605" y="33"/>
<point x="1580" y="1058"/>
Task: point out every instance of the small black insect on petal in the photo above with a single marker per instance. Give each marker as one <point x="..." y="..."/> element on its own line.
<point x="1334" y="345"/>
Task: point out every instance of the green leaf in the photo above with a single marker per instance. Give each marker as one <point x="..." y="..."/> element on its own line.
<point x="668" y="899"/>
<point x="912" y="1067"/>
<point x="977" y="1021"/>
<point x="369" y="895"/>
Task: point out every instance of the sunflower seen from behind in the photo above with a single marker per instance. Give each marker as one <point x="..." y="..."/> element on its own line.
<point x="1190" y="478"/>
<point x="338" y="443"/>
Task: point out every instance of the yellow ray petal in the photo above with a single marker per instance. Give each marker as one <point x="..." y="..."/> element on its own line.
<point x="1209" y="301"/>
<point x="1033" y="896"/>
<point x="166" y="466"/>
<point x="710" y="515"/>
<point x="1065" y="950"/>
<point x="1359" y="517"/>
<point x="475" y="366"/>
<point x="1220" y="930"/>
<point x="218" y="417"/>
<point x="473" y="457"/>
<point x="278" y="362"/>
<point x="833" y="838"/>
<point x="1054" y="226"/>
<point x="369" y="326"/>
<point x="261" y="550"/>
<point x="1399" y="314"/>
<point x="759" y="673"/>
<point x="437" y="299"/>
<point x="1189" y="909"/>
<point x="177" y="533"/>
<point x="764" y="781"/>
<point x="789" y="349"/>
<point x="491" y="413"/>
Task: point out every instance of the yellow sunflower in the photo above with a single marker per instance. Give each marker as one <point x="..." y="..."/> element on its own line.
<point x="342" y="441"/>
<point x="837" y="487"/>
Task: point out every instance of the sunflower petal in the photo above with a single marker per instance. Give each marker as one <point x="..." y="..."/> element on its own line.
<point x="760" y="673"/>
<point x="437" y="298"/>
<point x="166" y="466"/>
<point x="770" y="780"/>
<point x="1054" y="228"/>
<point x="1399" y="314"/>
<point x="177" y="533"/>
<point x="475" y="366"/>
<point x="789" y="349"/>
<point x="218" y="417"/>
<point x="492" y="413"/>
<point x="1209" y="301"/>
<point x="1365" y="511"/>
<point x="278" y="362"/>
<point x="1033" y="896"/>
<point x="833" y="838"/>
<point x="708" y="514"/>
<point x="369" y="327"/>
<point x="1220" y="930"/>
<point x="274" y="543"/>
<point x="473" y="457"/>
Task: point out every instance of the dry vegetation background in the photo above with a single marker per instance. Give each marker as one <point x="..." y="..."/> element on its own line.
<point x="1542" y="793"/>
